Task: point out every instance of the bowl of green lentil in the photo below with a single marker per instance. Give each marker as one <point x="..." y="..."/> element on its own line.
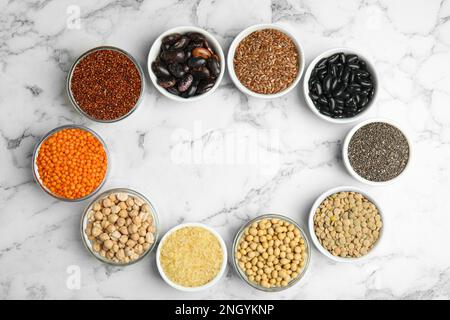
<point x="106" y="84"/>
<point x="376" y="152"/>
<point x="346" y="224"/>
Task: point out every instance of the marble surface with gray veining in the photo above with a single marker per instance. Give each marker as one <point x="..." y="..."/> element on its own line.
<point x="174" y="153"/>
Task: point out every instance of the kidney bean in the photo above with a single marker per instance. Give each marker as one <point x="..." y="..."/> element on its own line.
<point x="167" y="82"/>
<point x="192" y="90"/>
<point x="171" y="38"/>
<point x="159" y="69"/>
<point x="177" y="70"/>
<point x="185" y="82"/>
<point x="174" y="56"/>
<point x="214" y="66"/>
<point x="196" y="62"/>
<point x="201" y="73"/>
<point x="180" y="43"/>
<point x="201" y="53"/>
<point x="186" y="65"/>
<point x="205" y="85"/>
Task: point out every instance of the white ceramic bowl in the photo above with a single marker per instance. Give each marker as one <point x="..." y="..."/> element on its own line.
<point x="346" y="159"/>
<point x="155" y="49"/>
<point x="192" y="289"/>
<point x="314" y="238"/>
<point x="328" y="53"/>
<point x="235" y="44"/>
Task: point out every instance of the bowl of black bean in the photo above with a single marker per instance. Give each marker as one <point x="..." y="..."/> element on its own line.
<point x="340" y="85"/>
<point x="186" y="63"/>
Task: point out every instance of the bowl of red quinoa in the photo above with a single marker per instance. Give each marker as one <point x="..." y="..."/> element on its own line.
<point x="265" y="61"/>
<point x="106" y="84"/>
<point x="377" y="152"/>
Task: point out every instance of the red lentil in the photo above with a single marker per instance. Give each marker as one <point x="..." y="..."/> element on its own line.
<point x="71" y="163"/>
<point x="106" y="84"/>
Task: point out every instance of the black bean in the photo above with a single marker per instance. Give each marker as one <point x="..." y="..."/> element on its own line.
<point x="362" y="73"/>
<point x="323" y="100"/>
<point x="214" y="66"/>
<point x="333" y="59"/>
<point x="166" y="82"/>
<point x="335" y="84"/>
<point x="196" y="62"/>
<point x="205" y="85"/>
<point x="321" y="64"/>
<point x="354" y="87"/>
<point x="331" y="104"/>
<point x="352" y="58"/>
<point x="333" y="70"/>
<point x="185" y="82"/>
<point x="317" y="87"/>
<point x="326" y="84"/>
<point x="353" y="66"/>
<point x="342" y="58"/>
<point x="322" y="74"/>
<point x="313" y="96"/>
<point x="365" y="83"/>
<point x="177" y="70"/>
<point x="345" y="75"/>
<point x="160" y="70"/>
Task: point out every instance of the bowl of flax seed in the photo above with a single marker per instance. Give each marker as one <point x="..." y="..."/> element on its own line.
<point x="265" y="61"/>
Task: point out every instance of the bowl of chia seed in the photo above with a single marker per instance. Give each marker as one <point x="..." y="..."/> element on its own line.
<point x="376" y="152"/>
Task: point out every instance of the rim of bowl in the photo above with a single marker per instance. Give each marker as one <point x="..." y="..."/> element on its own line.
<point x="72" y="69"/>
<point x="329" y="52"/>
<point x="244" y="33"/>
<point x="154" y="51"/>
<point x="314" y="238"/>
<point x="238" y="237"/>
<point x="36" y="152"/>
<point x="215" y="280"/>
<point x="346" y="159"/>
<point x="87" y="242"/>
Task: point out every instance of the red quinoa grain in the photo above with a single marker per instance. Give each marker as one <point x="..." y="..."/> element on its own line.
<point x="106" y="84"/>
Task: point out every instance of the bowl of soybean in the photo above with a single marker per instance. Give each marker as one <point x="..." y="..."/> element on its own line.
<point x="376" y="152"/>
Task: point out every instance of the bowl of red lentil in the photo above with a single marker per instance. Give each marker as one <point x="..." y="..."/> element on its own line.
<point x="106" y="84"/>
<point x="265" y="61"/>
<point x="71" y="163"/>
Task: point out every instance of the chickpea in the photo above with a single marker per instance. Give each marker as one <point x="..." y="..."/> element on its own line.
<point x="268" y="250"/>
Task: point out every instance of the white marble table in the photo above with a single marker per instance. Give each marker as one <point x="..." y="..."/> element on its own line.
<point x="40" y="242"/>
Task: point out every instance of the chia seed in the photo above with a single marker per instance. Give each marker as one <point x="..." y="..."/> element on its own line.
<point x="378" y="152"/>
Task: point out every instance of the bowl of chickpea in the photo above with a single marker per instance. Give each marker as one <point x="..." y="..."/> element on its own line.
<point x="271" y="253"/>
<point x="120" y="227"/>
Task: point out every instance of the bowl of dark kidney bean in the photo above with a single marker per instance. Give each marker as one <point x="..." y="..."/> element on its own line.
<point x="186" y="63"/>
<point x="340" y="85"/>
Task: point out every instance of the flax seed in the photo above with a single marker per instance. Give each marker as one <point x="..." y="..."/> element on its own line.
<point x="266" y="61"/>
